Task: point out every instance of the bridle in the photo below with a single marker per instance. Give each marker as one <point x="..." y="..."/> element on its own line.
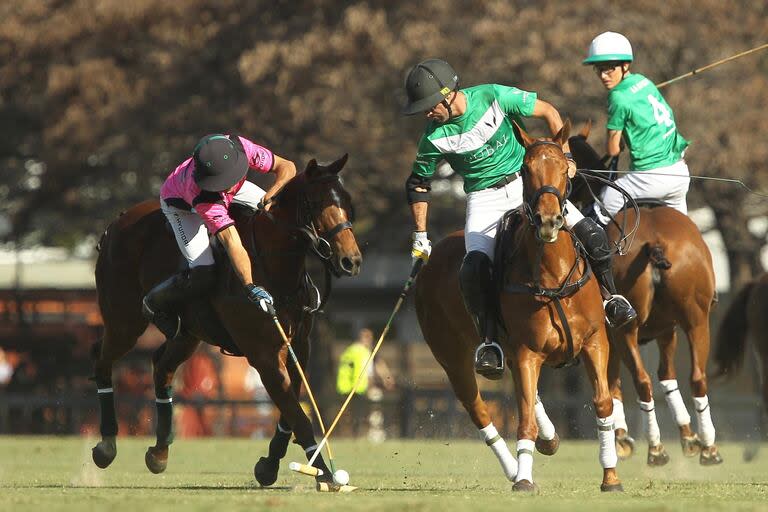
<point x="530" y="206"/>
<point x="320" y="242"/>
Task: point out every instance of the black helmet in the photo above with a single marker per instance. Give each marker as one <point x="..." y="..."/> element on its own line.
<point x="219" y="163"/>
<point x="427" y="84"/>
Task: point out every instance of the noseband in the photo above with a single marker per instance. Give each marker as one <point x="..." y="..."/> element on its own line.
<point x="531" y="206"/>
<point x="319" y="241"/>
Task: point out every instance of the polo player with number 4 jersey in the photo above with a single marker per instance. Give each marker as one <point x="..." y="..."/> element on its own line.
<point x="638" y="113"/>
<point x="472" y="130"/>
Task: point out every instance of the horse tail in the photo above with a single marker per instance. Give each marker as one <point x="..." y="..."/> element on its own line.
<point x="732" y="336"/>
<point x="656" y="256"/>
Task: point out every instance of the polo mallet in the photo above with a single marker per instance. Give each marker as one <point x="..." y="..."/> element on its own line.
<point x="311" y="470"/>
<point x="712" y="65"/>
<point x="307" y="468"/>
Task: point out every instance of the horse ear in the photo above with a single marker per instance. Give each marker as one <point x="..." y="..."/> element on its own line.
<point x="311" y="166"/>
<point x="586" y="129"/>
<point x="522" y="137"/>
<point x="562" y="136"/>
<point x="339" y="164"/>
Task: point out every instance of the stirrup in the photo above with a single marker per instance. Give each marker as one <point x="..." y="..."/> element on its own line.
<point x="619" y="318"/>
<point x="493" y="370"/>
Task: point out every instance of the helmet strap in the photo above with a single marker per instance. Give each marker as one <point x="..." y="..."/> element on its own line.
<point x="448" y="105"/>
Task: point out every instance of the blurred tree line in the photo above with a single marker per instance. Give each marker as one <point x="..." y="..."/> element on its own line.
<point x="100" y="99"/>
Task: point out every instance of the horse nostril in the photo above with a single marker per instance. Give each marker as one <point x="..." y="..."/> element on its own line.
<point x="559" y="220"/>
<point x="537" y="219"/>
<point x="347" y="265"/>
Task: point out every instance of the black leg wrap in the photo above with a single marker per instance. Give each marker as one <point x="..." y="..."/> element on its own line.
<point x="278" y="446"/>
<point x="164" y="417"/>
<point x="108" y="425"/>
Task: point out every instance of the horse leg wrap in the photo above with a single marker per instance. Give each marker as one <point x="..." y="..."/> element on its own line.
<point x="651" y="425"/>
<point x="278" y="446"/>
<point x="704" y="417"/>
<point x="675" y="402"/>
<point x="164" y="404"/>
<point x="619" y="420"/>
<point x="108" y="422"/>
<point x="499" y="448"/>
<point x="606" y="435"/>
<point x="525" y="449"/>
<point x="546" y="428"/>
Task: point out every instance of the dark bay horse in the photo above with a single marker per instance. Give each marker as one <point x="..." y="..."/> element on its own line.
<point x="668" y="277"/>
<point x="747" y="319"/>
<point x="312" y="213"/>
<point x="543" y="329"/>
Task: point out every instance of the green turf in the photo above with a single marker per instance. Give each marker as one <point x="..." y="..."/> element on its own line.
<point x="47" y="473"/>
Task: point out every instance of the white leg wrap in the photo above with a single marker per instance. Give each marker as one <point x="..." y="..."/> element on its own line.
<point x="499" y="448"/>
<point x="706" y="428"/>
<point x="546" y="428"/>
<point x="675" y="402"/>
<point x="651" y="425"/>
<point x="607" y="438"/>
<point x="525" y="449"/>
<point x="619" y="420"/>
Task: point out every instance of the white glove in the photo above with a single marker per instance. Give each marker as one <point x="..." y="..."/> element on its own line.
<point x="421" y="247"/>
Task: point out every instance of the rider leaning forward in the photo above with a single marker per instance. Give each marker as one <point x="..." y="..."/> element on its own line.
<point x="638" y="113"/>
<point x="471" y="129"/>
<point x="195" y="199"/>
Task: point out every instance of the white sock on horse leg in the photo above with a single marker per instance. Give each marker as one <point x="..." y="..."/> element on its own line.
<point x="607" y="438"/>
<point x="499" y="448"/>
<point x="651" y="425"/>
<point x="619" y="420"/>
<point x="546" y="428"/>
<point x="675" y="402"/>
<point x="706" y="428"/>
<point x="525" y="449"/>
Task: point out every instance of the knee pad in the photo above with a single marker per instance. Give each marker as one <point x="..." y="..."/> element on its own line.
<point x="594" y="239"/>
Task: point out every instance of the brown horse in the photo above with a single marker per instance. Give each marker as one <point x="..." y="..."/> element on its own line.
<point x="312" y="213"/>
<point x="744" y="320"/>
<point x="668" y="277"/>
<point x="551" y="309"/>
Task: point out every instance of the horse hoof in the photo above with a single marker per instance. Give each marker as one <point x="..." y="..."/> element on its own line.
<point x="156" y="459"/>
<point x="104" y="452"/>
<point x="525" y="486"/>
<point x="625" y="446"/>
<point x="265" y="471"/>
<point x="612" y="487"/>
<point x="710" y="456"/>
<point x="691" y="445"/>
<point x="657" y="455"/>
<point x="549" y="447"/>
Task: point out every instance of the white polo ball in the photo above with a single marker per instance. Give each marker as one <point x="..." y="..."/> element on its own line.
<point x="341" y="477"/>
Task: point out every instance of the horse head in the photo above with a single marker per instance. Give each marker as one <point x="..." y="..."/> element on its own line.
<point x="325" y="214"/>
<point x="587" y="159"/>
<point x="545" y="181"/>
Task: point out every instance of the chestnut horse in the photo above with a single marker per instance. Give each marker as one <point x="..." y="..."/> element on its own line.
<point x="746" y="319"/>
<point x="668" y="277"/>
<point x="551" y="308"/>
<point x="312" y="213"/>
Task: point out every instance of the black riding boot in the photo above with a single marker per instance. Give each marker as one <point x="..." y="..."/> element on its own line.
<point x="618" y="310"/>
<point x="162" y="304"/>
<point x="475" y="278"/>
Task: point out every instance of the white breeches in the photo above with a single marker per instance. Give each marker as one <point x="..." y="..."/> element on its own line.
<point x="648" y="184"/>
<point x="486" y="207"/>
<point x="190" y="231"/>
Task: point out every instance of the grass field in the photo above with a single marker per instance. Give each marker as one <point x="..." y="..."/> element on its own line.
<point x="46" y="473"/>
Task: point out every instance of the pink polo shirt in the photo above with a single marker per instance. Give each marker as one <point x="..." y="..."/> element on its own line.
<point x="181" y="191"/>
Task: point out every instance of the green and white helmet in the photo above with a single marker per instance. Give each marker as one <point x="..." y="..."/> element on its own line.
<point x="609" y="47"/>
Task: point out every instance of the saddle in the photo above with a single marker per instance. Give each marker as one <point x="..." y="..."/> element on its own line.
<point x="307" y="296"/>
